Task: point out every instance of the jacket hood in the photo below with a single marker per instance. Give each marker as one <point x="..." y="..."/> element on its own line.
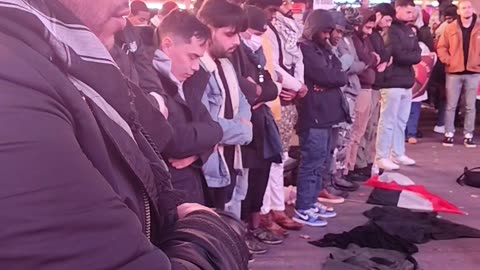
<point x="365" y="14"/>
<point x="318" y="21"/>
<point x="339" y="19"/>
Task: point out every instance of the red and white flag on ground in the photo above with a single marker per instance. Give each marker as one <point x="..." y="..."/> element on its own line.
<point x="395" y="189"/>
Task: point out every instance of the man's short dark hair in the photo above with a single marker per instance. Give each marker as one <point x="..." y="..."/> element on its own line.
<point x="220" y="13"/>
<point x="185" y="25"/>
<point x="265" y="3"/>
<point x="385" y="9"/>
<point x="451" y="11"/>
<point x="167" y="7"/>
<point x="138" y="6"/>
<point x="404" y="3"/>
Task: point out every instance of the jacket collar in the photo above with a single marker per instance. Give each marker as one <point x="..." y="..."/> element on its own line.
<point x="208" y="63"/>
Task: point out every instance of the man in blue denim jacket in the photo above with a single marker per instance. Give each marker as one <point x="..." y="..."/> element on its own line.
<point x="224" y="99"/>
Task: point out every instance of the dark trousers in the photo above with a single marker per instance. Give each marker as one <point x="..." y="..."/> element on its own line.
<point x="412" y="124"/>
<point x="315" y="145"/>
<point x="257" y="185"/>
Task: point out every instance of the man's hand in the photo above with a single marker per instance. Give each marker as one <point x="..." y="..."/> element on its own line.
<point x="279" y="77"/>
<point x="382" y="67"/>
<point x="377" y="57"/>
<point x="258" y="105"/>
<point x="288" y="95"/>
<point x="318" y="88"/>
<point x="390" y="62"/>
<point x="303" y="91"/>
<point x="186" y="209"/>
<point x="246" y="122"/>
<point x="259" y="88"/>
<point x="182" y="163"/>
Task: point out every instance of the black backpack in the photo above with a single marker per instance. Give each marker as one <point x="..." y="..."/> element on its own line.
<point x="470" y="177"/>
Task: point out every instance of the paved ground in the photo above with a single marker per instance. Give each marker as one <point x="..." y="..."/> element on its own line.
<point x="437" y="169"/>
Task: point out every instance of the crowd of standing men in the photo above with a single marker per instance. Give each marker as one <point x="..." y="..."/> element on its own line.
<point x="131" y="132"/>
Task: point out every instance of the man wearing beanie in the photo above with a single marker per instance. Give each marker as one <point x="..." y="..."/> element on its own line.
<point x="323" y="107"/>
<point x="343" y="48"/>
<point x="364" y="105"/>
<point x="384" y="15"/>
<point x="265" y="148"/>
<point x="396" y="92"/>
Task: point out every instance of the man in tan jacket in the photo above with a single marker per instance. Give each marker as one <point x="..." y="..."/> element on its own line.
<point x="459" y="50"/>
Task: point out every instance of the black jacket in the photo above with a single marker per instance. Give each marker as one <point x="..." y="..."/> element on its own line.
<point x="379" y="46"/>
<point x="73" y="181"/>
<point x="327" y="107"/>
<point x="265" y="132"/>
<point x="401" y="44"/>
<point x="194" y="134"/>
<point x="324" y="105"/>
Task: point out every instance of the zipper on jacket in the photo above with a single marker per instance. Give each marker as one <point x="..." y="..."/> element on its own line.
<point x="148" y="215"/>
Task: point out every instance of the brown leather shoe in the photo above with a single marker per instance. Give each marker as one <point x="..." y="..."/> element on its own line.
<point x="285" y="221"/>
<point x="268" y="224"/>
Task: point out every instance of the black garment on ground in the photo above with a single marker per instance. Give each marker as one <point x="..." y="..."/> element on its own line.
<point x="466" y="36"/>
<point x="398" y="229"/>
<point x="358" y="258"/>
<point x="418" y="227"/>
<point x="369" y="235"/>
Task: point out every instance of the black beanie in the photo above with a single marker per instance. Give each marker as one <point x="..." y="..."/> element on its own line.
<point x="256" y="18"/>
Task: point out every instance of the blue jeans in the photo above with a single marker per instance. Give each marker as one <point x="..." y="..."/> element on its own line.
<point x="316" y="150"/>
<point x="394" y="112"/>
<point x="412" y="124"/>
<point x="455" y="85"/>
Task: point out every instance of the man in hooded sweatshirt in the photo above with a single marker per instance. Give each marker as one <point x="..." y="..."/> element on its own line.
<point x="396" y="93"/>
<point x="322" y="108"/>
<point x="363" y="106"/>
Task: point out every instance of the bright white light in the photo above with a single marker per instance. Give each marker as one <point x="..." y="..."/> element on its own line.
<point x="159" y="6"/>
<point x="435" y="4"/>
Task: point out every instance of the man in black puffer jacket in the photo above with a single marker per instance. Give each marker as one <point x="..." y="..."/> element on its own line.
<point x="323" y="107"/>
<point x="396" y="94"/>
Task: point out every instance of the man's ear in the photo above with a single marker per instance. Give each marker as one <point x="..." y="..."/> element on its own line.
<point x="166" y="44"/>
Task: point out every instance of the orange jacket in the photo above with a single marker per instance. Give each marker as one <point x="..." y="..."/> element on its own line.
<point x="450" y="49"/>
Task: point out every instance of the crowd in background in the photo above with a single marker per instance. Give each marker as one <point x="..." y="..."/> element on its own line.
<point x="204" y="112"/>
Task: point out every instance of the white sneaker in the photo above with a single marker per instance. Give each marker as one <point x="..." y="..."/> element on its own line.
<point x="404" y="160"/>
<point x="387" y="164"/>
<point x="439" y="129"/>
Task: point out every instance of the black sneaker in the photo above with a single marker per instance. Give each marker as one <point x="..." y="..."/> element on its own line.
<point x="267" y="237"/>
<point x="448" y="141"/>
<point x="469" y="143"/>
<point x="254" y="246"/>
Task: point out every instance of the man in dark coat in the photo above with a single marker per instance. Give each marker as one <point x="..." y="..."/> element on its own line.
<point x="396" y="94"/>
<point x="266" y="146"/>
<point x="83" y="185"/>
<point x="183" y="40"/>
<point x="323" y="107"/>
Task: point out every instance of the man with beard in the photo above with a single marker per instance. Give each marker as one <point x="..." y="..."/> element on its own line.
<point x="223" y="98"/>
<point x="396" y="93"/>
<point x="384" y="14"/>
<point x="83" y="185"/>
<point x="458" y="49"/>
<point x="322" y="108"/>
